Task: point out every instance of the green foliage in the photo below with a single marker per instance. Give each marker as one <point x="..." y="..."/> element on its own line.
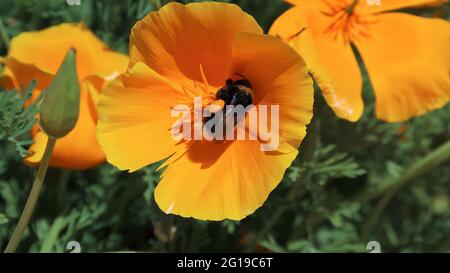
<point x="339" y="166"/>
<point x="15" y="120"/>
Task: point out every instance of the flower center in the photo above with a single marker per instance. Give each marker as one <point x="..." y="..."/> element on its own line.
<point x="352" y="6"/>
<point x="347" y="21"/>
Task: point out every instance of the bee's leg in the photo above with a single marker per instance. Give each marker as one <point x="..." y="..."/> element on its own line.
<point x="234" y="99"/>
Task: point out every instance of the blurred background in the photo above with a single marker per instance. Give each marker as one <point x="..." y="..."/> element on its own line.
<point x="348" y="186"/>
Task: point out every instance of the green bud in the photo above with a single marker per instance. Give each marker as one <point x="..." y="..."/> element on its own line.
<point x="61" y="105"/>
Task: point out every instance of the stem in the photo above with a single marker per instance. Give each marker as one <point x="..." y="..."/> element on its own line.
<point x="434" y="159"/>
<point x="428" y="163"/>
<point x="32" y="198"/>
<point x="4" y="34"/>
<point x="171" y="233"/>
<point x="62" y="190"/>
<point x="156" y="4"/>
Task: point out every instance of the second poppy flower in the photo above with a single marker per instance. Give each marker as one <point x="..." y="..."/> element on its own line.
<point x="406" y="56"/>
<point x="37" y="56"/>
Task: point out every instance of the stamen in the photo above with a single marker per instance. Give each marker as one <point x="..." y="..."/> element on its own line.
<point x="189" y="91"/>
<point x="296" y="34"/>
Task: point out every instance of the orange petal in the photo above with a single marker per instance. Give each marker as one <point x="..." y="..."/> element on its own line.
<point x="221" y="181"/>
<point x="336" y="71"/>
<point x="329" y="57"/>
<point x="16" y="75"/>
<point x="46" y="49"/>
<point x="407" y="58"/>
<point x="289" y="24"/>
<point x="177" y="39"/>
<point x="79" y="149"/>
<point x="135" y="119"/>
<point x="387" y="5"/>
<point x="279" y="77"/>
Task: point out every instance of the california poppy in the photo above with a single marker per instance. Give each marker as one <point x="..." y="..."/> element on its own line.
<point x="183" y="51"/>
<point x="37" y="56"/>
<point x="406" y="56"/>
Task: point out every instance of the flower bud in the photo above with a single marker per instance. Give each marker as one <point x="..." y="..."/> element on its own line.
<point x="61" y="105"/>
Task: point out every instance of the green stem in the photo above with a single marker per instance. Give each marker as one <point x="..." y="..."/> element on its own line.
<point x="156" y="4"/>
<point x="32" y="198"/>
<point x="428" y="163"/>
<point x="434" y="159"/>
<point x="62" y="190"/>
<point x="4" y="34"/>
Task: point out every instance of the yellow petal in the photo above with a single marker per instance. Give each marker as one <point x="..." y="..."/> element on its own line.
<point x="135" y="119"/>
<point x="329" y="57"/>
<point x="221" y="181"/>
<point x="387" y="5"/>
<point x="407" y="58"/>
<point x="178" y="39"/>
<point x="289" y="24"/>
<point x="16" y="74"/>
<point x="279" y="77"/>
<point x="37" y="56"/>
<point x="46" y="49"/>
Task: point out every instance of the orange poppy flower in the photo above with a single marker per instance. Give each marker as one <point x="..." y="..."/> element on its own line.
<point x="183" y="51"/>
<point x="37" y="56"/>
<point x="407" y="57"/>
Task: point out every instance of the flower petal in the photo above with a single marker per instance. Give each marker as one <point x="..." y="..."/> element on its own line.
<point x="79" y="149"/>
<point x="328" y="55"/>
<point x="407" y="58"/>
<point x="135" y="119"/>
<point x="46" y="49"/>
<point x="215" y="181"/>
<point x="336" y="71"/>
<point x="177" y="39"/>
<point x="288" y="25"/>
<point x="16" y="74"/>
<point x="388" y="5"/>
<point x="279" y="77"/>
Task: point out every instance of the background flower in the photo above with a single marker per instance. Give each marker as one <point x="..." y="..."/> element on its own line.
<point x="406" y="56"/>
<point x="37" y="56"/>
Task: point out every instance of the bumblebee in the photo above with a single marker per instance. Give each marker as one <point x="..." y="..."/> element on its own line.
<point x="238" y="92"/>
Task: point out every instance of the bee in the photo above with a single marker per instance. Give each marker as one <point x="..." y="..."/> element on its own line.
<point x="239" y="92"/>
<point x="235" y="92"/>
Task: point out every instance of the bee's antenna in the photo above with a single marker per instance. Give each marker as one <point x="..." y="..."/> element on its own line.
<point x="242" y="76"/>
